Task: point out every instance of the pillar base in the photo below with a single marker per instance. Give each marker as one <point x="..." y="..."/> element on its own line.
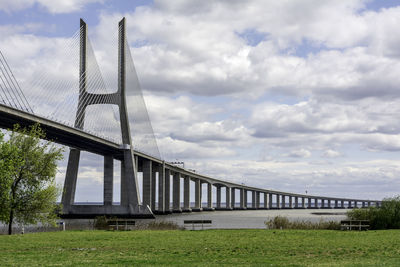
<point x="158" y="212"/>
<point x="223" y="208"/>
<point x="208" y="209"/>
<point x="92" y="211"/>
<point x="239" y="208"/>
<point x="197" y="209"/>
<point x="177" y="211"/>
<point x="186" y="210"/>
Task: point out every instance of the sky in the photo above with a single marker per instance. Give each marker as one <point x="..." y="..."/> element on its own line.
<point x="293" y="96"/>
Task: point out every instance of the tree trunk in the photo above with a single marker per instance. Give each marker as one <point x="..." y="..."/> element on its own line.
<point x="11" y="221"/>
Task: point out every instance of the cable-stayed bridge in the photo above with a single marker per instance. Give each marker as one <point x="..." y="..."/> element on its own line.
<point x="87" y="110"/>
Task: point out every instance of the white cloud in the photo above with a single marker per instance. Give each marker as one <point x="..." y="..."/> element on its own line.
<point x="54" y="7"/>
<point x="331" y="153"/>
<point x="301" y="153"/>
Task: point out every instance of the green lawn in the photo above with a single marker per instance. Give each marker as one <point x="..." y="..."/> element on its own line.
<point x="208" y="247"/>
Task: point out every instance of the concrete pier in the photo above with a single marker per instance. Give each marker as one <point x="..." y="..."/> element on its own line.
<point x="161" y="189"/>
<point x="167" y="185"/>
<point x="253" y="199"/>
<point x="233" y="197"/>
<point x="228" y="198"/>
<point x="154" y="172"/>
<point x="242" y="206"/>
<point x="218" y="197"/>
<point x="197" y="195"/>
<point x="108" y="180"/>
<point x="270" y="201"/>
<point x="147" y="187"/>
<point x="176" y="194"/>
<point x="209" y="197"/>
<point x="186" y="194"/>
<point x="278" y="205"/>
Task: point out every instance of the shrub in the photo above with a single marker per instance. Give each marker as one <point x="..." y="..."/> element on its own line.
<point x="100" y="223"/>
<point x="280" y="222"/>
<point x="163" y="225"/>
<point x="387" y="216"/>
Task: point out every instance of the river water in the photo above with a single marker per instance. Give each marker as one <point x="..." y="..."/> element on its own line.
<point x="252" y="219"/>
<point x="237" y="219"/>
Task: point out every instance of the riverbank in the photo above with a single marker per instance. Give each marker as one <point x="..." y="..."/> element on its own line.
<point x="238" y="219"/>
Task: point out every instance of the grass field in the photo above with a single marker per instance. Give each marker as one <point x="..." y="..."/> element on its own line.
<point x="209" y="247"/>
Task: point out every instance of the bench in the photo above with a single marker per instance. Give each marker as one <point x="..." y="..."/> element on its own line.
<point x="198" y="222"/>
<point x="119" y="224"/>
<point x="354" y="225"/>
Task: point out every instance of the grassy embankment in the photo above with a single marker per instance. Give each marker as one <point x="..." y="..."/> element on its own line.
<point x="209" y="247"/>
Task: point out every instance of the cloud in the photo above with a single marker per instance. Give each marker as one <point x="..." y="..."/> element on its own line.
<point x="302" y="153"/>
<point x="331" y="154"/>
<point x="54" y="7"/>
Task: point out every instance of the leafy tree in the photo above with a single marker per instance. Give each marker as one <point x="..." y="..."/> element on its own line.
<point x="28" y="166"/>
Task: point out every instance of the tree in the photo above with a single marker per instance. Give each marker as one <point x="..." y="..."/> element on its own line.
<point x="28" y="166"/>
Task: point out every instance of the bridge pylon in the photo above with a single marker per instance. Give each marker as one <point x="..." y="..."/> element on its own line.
<point x="130" y="205"/>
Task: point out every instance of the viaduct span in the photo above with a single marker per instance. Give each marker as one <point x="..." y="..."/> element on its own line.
<point x="159" y="177"/>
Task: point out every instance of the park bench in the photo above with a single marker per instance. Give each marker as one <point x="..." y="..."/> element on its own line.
<point x="354" y="225"/>
<point x="120" y="224"/>
<point x="198" y="223"/>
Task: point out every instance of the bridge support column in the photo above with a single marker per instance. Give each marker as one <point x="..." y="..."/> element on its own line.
<point x="161" y="189"/>
<point x="253" y="199"/>
<point x="70" y="179"/>
<point x="336" y="204"/>
<point x="309" y="203"/>
<point x="283" y="202"/>
<point x="242" y="199"/>
<point x="245" y="198"/>
<point x="186" y="194"/>
<point x="155" y="169"/>
<point x="197" y="195"/>
<point x="233" y="196"/>
<point x="290" y="202"/>
<point x="322" y="203"/>
<point x="257" y="200"/>
<point x="296" y="202"/>
<point x="369" y="204"/>
<point x="303" y="202"/>
<point x="270" y="201"/>
<point x="278" y="205"/>
<point x="209" y="197"/>
<point x="329" y="203"/>
<point x="218" y="197"/>
<point x="108" y="180"/>
<point x="228" y="198"/>
<point x="176" y="194"/>
<point x="266" y="204"/>
<point x="167" y="194"/>
<point x="147" y="182"/>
